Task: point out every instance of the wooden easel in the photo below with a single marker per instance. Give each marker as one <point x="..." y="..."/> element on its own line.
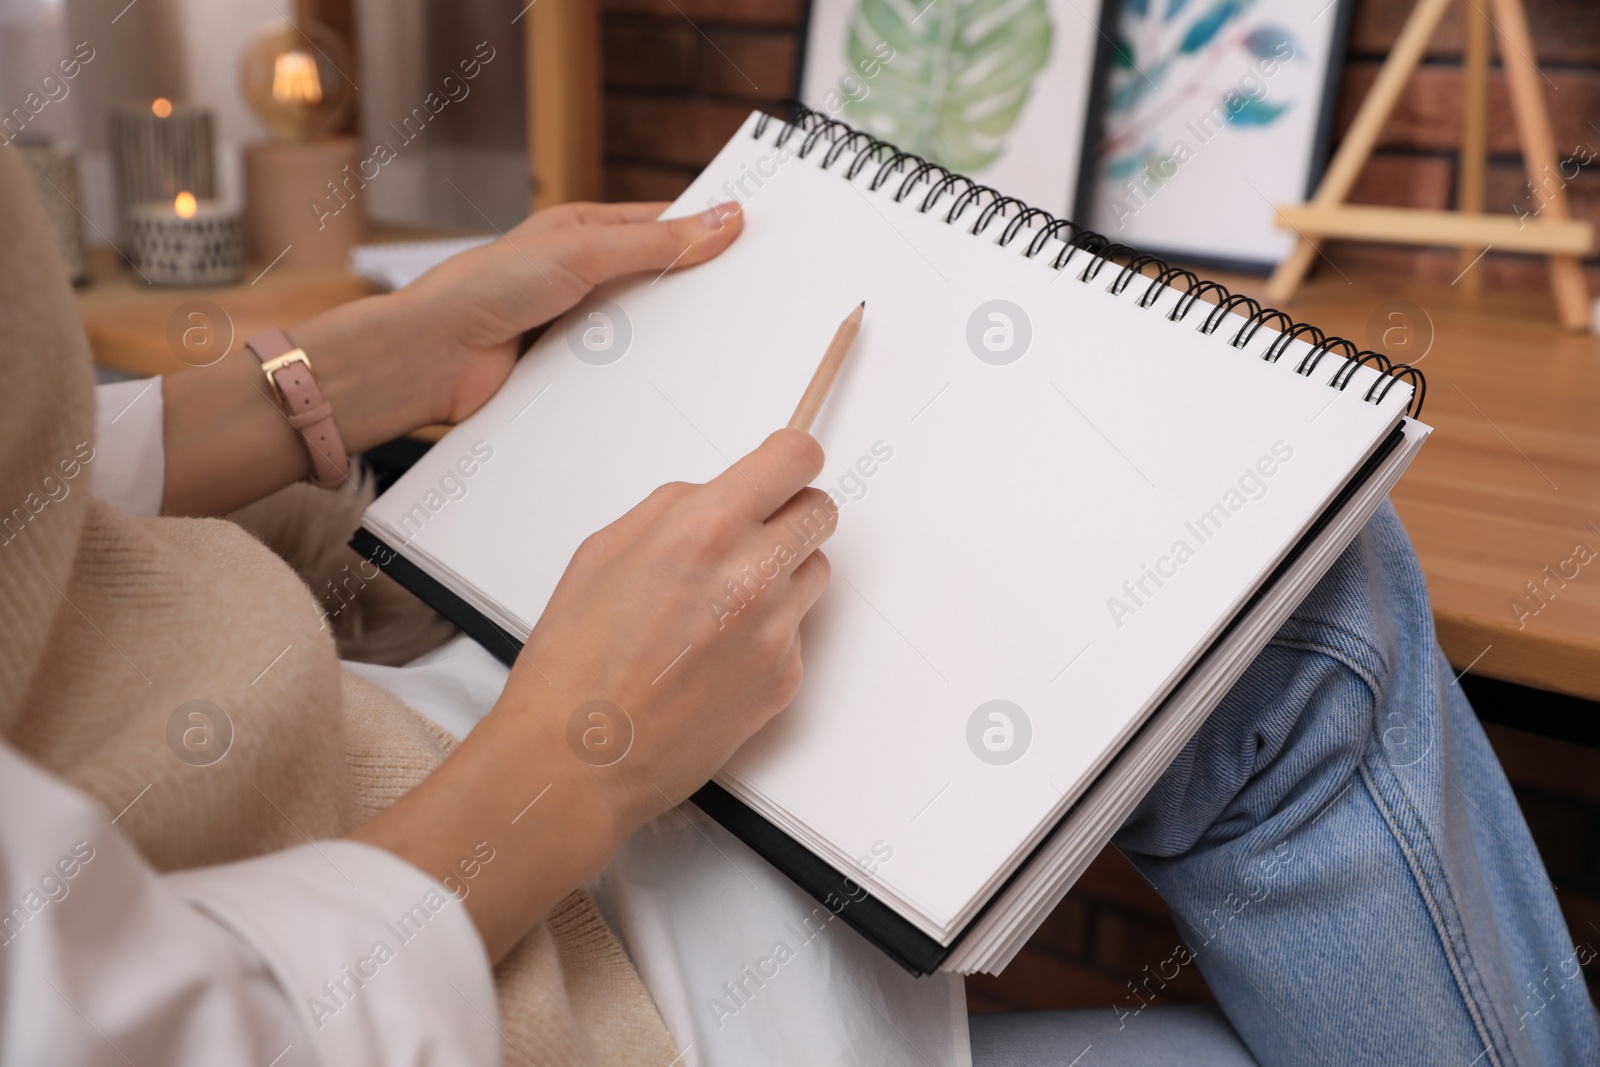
<point x="1552" y="231"/>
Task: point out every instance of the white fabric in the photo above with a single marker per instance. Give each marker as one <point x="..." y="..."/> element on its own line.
<point x="703" y="918"/>
<point x="316" y="955"/>
<point x="105" y="962"/>
<point x="129" y="466"/>
<point x="698" y="912"/>
<point x="357" y="938"/>
<point x="748" y="968"/>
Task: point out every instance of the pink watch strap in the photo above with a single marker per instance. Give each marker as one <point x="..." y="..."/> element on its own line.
<point x="309" y="412"/>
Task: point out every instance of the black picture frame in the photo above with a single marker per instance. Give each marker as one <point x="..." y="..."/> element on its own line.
<point x="1321" y="146"/>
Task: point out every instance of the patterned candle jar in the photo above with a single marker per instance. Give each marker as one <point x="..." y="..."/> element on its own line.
<point x="186" y="242"/>
<point x="158" y="150"/>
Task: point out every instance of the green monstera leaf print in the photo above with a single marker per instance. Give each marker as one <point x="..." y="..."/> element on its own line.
<point x="957" y="79"/>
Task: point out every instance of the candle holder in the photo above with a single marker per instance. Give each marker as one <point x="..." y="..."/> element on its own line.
<point x="186" y="241"/>
<point x="158" y="150"/>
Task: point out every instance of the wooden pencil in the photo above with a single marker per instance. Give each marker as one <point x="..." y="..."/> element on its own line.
<point x="828" y="370"/>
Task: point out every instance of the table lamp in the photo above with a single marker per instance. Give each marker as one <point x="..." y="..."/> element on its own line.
<point x="302" y="188"/>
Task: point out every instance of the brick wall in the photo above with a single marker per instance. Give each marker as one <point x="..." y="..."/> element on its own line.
<point x="681" y="75"/>
<point x="1415" y="164"/>
<point x="1558" y="788"/>
<point x="1111" y="930"/>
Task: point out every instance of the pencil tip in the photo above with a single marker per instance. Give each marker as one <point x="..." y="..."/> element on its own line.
<point x="862" y="304"/>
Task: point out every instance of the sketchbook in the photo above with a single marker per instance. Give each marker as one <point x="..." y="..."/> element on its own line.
<point x="1079" y="490"/>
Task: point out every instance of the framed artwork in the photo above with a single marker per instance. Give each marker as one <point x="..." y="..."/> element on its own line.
<point x="1213" y="113"/>
<point x="1000" y="90"/>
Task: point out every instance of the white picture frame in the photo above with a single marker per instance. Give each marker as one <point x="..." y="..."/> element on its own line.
<point x="1013" y="89"/>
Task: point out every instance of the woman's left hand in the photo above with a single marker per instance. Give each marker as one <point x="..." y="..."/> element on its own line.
<point x="477" y="306"/>
<point x="432" y="352"/>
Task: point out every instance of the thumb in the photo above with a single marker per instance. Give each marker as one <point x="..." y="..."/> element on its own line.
<point x="598" y="253"/>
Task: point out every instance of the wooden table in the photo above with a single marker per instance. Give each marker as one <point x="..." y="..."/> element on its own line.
<point x="127" y="319"/>
<point x="1508" y="485"/>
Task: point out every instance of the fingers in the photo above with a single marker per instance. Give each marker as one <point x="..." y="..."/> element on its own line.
<point x="596" y="253"/>
<point x="762" y="482"/>
<point x="807" y="520"/>
<point x="809" y="582"/>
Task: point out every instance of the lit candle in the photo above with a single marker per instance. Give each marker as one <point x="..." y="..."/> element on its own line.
<point x="186" y="241"/>
<point x="158" y="149"/>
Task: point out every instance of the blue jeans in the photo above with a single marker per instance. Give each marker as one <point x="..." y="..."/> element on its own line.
<point x="1347" y="863"/>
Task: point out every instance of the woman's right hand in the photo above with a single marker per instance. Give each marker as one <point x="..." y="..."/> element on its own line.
<point x="677" y="626"/>
<point x="672" y="637"/>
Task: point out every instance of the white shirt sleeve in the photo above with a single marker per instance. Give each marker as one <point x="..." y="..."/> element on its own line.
<point x="332" y="953"/>
<point x="129" y="467"/>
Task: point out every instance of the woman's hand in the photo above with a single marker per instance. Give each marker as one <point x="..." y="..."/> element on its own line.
<point x="475" y="307"/>
<point x="684" y="614"/>
<point x="672" y="637"/>
<point x="432" y="352"/>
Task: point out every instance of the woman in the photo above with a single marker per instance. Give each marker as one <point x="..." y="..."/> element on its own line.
<point x="345" y="876"/>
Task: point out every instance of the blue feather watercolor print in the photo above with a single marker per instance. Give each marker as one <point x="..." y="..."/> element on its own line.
<point x="1208" y="65"/>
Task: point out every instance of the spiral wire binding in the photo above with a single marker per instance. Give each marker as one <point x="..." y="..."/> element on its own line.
<point x="990" y="205"/>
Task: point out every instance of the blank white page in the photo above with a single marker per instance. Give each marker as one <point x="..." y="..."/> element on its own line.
<point x="1006" y="504"/>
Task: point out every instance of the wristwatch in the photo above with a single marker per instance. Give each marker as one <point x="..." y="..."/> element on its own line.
<point x="295" y="386"/>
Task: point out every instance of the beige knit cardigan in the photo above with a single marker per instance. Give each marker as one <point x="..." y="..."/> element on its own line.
<point x="108" y="623"/>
